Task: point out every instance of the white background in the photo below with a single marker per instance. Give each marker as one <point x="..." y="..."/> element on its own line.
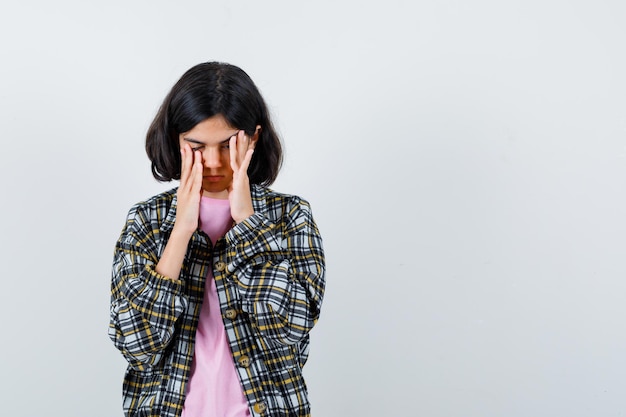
<point x="465" y="161"/>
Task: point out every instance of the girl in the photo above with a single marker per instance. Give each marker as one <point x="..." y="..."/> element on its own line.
<point x="217" y="283"/>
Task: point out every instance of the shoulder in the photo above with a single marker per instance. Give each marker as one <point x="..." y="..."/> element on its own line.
<point x="271" y="197"/>
<point x="278" y="205"/>
<point x="154" y="208"/>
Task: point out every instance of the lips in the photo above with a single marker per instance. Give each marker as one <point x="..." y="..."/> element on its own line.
<point x="213" y="178"/>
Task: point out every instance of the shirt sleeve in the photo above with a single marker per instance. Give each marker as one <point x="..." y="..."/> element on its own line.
<point x="145" y="305"/>
<point x="279" y="269"/>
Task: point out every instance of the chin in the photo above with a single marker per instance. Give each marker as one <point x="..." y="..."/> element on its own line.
<point x="213" y="187"/>
<point x="218" y="192"/>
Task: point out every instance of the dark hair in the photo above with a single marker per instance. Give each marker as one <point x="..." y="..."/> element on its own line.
<point x="204" y="91"/>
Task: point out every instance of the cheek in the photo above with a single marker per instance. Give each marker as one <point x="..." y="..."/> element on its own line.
<point x="226" y="157"/>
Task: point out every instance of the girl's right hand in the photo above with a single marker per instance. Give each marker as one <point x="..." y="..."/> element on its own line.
<point x="187" y="214"/>
<point x="189" y="191"/>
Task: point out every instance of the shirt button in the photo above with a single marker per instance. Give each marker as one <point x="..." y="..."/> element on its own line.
<point x="230" y="314"/>
<point x="220" y="266"/>
<point x="259" y="407"/>
<point x="243" y="361"/>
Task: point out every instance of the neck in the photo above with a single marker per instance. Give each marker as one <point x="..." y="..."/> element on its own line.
<point x="220" y="195"/>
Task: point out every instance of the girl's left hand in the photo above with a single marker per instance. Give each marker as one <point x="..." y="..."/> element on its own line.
<point x="241" y="150"/>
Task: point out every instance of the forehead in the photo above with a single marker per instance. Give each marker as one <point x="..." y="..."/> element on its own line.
<point x="215" y="129"/>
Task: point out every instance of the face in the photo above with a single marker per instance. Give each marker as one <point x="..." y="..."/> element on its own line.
<point x="211" y="137"/>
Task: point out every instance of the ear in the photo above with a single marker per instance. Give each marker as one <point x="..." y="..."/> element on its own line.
<point x="255" y="137"/>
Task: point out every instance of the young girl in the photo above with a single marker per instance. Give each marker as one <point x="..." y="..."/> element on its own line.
<point x="217" y="283"/>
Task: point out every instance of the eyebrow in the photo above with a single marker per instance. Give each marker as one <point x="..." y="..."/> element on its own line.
<point x="193" y="141"/>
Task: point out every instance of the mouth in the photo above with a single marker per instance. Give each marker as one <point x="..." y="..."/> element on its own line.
<point x="213" y="178"/>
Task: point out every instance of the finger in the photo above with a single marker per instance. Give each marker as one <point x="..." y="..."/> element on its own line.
<point x="242" y="145"/>
<point x="196" y="180"/>
<point x="192" y="159"/>
<point x="232" y="145"/>
<point x="184" y="164"/>
<point x="246" y="160"/>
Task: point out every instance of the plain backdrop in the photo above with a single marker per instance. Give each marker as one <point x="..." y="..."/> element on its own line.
<point x="465" y="161"/>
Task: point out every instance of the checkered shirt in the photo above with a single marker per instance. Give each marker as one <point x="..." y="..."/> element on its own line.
<point x="269" y="273"/>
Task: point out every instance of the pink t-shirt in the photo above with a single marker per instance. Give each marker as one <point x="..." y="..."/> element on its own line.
<point x="214" y="389"/>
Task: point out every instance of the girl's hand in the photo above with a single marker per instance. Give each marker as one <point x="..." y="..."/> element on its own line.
<point x="241" y="150"/>
<point x="189" y="191"/>
<point x="187" y="214"/>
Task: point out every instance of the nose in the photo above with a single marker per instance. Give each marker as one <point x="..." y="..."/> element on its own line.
<point x="212" y="157"/>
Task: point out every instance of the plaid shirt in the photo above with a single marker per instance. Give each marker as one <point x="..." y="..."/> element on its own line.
<point x="269" y="274"/>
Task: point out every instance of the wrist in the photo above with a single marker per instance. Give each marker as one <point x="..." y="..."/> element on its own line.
<point x="243" y="216"/>
<point x="182" y="232"/>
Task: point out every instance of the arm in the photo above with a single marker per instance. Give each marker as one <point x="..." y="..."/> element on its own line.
<point x="146" y="293"/>
<point x="279" y="269"/>
<point x="144" y="303"/>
